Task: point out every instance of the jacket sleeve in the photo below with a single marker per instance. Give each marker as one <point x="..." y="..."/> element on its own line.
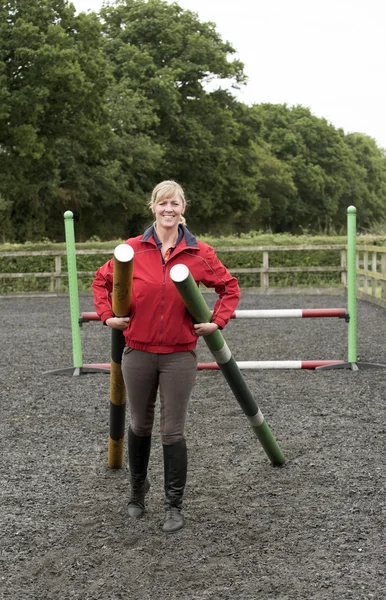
<point x="102" y="287"/>
<point x="217" y="276"/>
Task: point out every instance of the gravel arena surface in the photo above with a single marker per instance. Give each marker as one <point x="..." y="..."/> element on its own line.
<point x="312" y="529"/>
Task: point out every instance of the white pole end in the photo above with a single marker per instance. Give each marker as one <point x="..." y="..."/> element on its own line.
<point x="124" y="253"/>
<point x="179" y="273"/>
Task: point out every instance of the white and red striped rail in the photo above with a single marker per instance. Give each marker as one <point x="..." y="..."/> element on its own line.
<point x="251" y="365"/>
<point x="306" y="313"/>
<point x="272" y="364"/>
<point x="256" y="314"/>
<point x="85" y="317"/>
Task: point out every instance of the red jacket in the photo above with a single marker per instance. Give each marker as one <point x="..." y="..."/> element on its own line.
<point x="160" y="322"/>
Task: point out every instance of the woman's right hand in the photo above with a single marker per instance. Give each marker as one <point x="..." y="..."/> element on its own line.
<point x="121" y="323"/>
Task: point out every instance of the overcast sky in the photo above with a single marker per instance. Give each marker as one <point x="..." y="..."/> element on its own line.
<point x="327" y="55"/>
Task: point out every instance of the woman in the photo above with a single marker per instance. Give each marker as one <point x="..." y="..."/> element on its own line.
<point x="160" y="341"/>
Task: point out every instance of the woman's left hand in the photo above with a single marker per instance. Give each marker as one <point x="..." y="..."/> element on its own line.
<point x="205" y="328"/>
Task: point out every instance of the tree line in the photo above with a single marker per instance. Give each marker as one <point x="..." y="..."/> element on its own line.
<point x="95" y="109"/>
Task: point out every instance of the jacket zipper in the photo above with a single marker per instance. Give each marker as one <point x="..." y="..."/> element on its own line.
<point x="162" y="300"/>
<point x="163" y="294"/>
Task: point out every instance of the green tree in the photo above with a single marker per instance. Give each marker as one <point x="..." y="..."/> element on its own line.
<point x="328" y="169"/>
<point x="165" y="57"/>
<point x="96" y="109"/>
<point x="369" y="186"/>
<point x="53" y="122"/>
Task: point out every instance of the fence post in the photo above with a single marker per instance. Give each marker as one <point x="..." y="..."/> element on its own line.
<point x="265" y="276"/>
<point x="366" y="268"/>
<point x="343" y="264"/>
<point x="383" y="271"/>
<point x="359" y="279"/>
<point x="58" y="274"/>
<point x="374" y="281"/>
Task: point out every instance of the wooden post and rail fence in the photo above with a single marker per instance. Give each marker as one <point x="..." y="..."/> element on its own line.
<point x="370" y="271"/>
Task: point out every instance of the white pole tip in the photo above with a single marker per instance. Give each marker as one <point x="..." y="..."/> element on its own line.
<point x="179" y="273"/>
<point x="124" y="253"/>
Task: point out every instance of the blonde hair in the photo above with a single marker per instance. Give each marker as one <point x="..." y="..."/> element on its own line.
<point x="168" y="189"/>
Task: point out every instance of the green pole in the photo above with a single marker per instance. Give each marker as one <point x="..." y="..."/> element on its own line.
<point x="73" y="290"/>
<point x="200" y="312"/>
<point x="351" y="284"/>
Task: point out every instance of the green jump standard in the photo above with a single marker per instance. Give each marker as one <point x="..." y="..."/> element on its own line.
<point x="200" y="312"/>
<point x="73" y="286"/>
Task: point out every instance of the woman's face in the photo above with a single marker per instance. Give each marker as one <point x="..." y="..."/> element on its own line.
<point x="168" y="211"/>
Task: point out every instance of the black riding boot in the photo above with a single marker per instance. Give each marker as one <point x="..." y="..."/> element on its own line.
<point x="175" y="468"/>
<point x="139" y="453"/>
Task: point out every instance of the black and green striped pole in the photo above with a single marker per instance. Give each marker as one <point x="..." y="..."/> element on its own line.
<point x="200" y="312"/>
<point x="121" y="303"/>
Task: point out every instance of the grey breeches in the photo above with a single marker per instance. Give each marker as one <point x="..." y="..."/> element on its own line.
<point x="174" y="375"/>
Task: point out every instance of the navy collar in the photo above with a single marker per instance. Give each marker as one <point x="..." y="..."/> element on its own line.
<point x="183" y="232"/>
